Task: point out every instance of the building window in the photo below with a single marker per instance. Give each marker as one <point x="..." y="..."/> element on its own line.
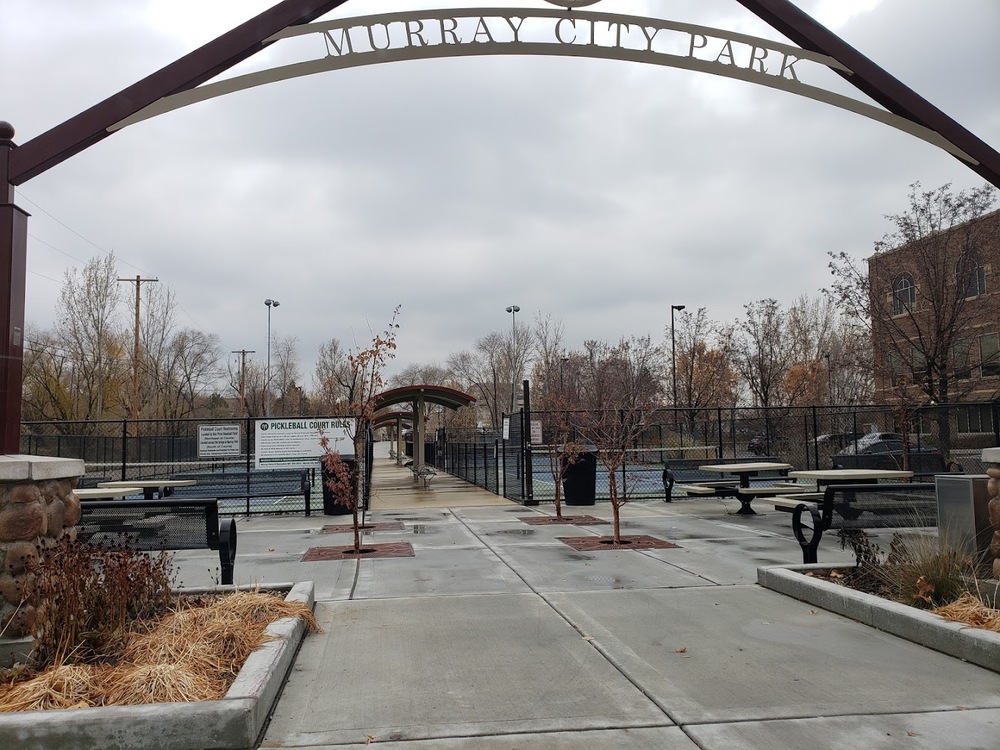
<point x="978" y="418"/>
<point x="971" y="276"/>
<point x="989" y="354"/>
<point x="961" y="359"/>
<point x="904" y="294"/>
<point x="918" y="364"/>
<point x="899" y="373"/>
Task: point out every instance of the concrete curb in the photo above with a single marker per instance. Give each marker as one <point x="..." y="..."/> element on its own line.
<point x="236" y="721"/>
<point x="973" y="645"/>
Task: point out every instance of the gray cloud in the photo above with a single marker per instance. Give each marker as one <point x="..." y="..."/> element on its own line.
<point x="600" y="192"/>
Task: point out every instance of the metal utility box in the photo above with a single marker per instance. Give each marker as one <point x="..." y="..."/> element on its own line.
<point x="963" y="513"/>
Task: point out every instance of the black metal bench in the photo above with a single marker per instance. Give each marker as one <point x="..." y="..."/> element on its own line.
<point x="167" y="524"/>
<point x="863" y="506"/>
<point x="248" y="486"/>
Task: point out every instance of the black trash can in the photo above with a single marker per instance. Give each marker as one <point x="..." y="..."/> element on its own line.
<point x="331" y="507"/>
<point x="580" y="480"/>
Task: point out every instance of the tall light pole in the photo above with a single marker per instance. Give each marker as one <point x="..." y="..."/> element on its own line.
<point x="513" y="310"/>
<point x="267" y="377"/>
<point x="673" y="353"/>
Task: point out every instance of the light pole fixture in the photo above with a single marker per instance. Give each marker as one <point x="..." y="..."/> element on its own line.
<point x="267" y="377"/>
<point x="673" y="352"/>
<point x="513" y="310"/>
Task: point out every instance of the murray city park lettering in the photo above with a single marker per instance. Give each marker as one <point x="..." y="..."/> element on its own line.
<point x="433" y="32"/>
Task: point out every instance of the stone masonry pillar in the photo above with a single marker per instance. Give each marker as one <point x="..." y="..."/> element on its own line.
<point x="37" y="505"/>
<point x="991" y="457"/>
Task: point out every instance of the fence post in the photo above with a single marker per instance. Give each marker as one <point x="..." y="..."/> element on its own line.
<point x="529" y="464"/>
<point x="718" y="429"/>
<point x="124" y="447"/>
<point x="815" y="443"/>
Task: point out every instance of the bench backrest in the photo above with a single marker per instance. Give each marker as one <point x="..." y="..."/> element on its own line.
<point x="149" y="525"/>
<point x="87" y="483"/>
<point x="871" y="506"/>
<point x="686" y="469"/>
<point x="921" y="464"/>
<point x="256" y="482"/>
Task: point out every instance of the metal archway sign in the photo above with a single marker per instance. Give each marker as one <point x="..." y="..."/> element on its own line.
<point x="565" y="30"/>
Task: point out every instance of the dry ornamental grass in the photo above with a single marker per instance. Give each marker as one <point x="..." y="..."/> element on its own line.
<point x="192" y="654"/>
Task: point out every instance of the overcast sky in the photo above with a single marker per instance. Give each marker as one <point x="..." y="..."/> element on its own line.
<point x="600" y="192"/>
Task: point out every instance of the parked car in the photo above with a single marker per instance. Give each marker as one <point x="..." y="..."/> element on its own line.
<point x="836" y="441"/>
<point x="860" y="443"/>
<point x="886" y="452"/>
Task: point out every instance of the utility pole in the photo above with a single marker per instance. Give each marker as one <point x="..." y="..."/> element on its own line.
<point x="135" y="351"/>
<point x="243" y="379"/>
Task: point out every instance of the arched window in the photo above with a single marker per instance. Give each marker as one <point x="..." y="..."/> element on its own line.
<point x="970" y="276"/>
<point x="904" y="294"/>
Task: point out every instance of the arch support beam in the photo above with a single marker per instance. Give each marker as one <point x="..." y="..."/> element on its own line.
<point x="91" y="126"/>
<point x="870" y="79"/>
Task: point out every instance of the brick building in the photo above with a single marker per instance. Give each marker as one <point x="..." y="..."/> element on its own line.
<point x="935" y="306"/>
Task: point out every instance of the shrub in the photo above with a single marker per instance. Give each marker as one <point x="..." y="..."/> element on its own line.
<point x="919" y="570"/>
<point x="87" y="596"/>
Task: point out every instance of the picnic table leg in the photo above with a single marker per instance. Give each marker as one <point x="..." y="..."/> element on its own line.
<point x="745" y="509"/>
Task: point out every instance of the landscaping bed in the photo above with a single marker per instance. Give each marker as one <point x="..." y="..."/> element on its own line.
<point x="975" y="645"/>
<point x="235" y="721"/>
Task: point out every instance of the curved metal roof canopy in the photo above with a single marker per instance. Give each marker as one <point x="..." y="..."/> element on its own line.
<point x="392" y="417"/>
<point x="418" y="395"/>
<point x="433" y="394"/>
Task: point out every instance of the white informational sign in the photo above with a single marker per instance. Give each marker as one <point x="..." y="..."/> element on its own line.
<point x="506" y="428"/>
<point x="295" y="443"/>
<point x="536" y="432"/>
<point x="218" y="440"/>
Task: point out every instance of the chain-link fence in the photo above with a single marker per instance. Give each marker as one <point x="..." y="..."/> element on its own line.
<point x="518" y="461"/>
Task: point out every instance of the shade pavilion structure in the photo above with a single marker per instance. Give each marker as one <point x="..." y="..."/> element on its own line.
<point x="419" y="396"/>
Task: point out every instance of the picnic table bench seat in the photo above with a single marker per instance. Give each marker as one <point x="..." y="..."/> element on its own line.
<point x="164" y="524"/>
<point x="720" y="489"/>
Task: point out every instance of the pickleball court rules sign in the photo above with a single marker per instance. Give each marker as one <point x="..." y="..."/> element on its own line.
<point x="295" y="443"/>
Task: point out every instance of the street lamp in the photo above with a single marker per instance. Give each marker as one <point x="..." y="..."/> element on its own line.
<point x="673" y="353"/>
<point x="267" y="377"/>
<point x="513" y="310"/>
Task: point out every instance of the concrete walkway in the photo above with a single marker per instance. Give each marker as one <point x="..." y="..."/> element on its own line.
<point x="497" y="635"/>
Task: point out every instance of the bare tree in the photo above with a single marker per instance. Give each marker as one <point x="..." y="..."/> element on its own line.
<point x="192" y="369"/>
<point x="760" y="351"/>
<point x="157" y="391"/>
<point x="252" y="382"/>
<point x="705" y="378"/>
<point x="283" y="390"/>
<point x="90" y="332"/>
<point x="923" y="294"/>
<point x="485" y="375"/>
<point x="49" y="391"/>
<point x="366" y="383"/>
<point x="621" y="387"/>
<point x="330" y="377"/>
